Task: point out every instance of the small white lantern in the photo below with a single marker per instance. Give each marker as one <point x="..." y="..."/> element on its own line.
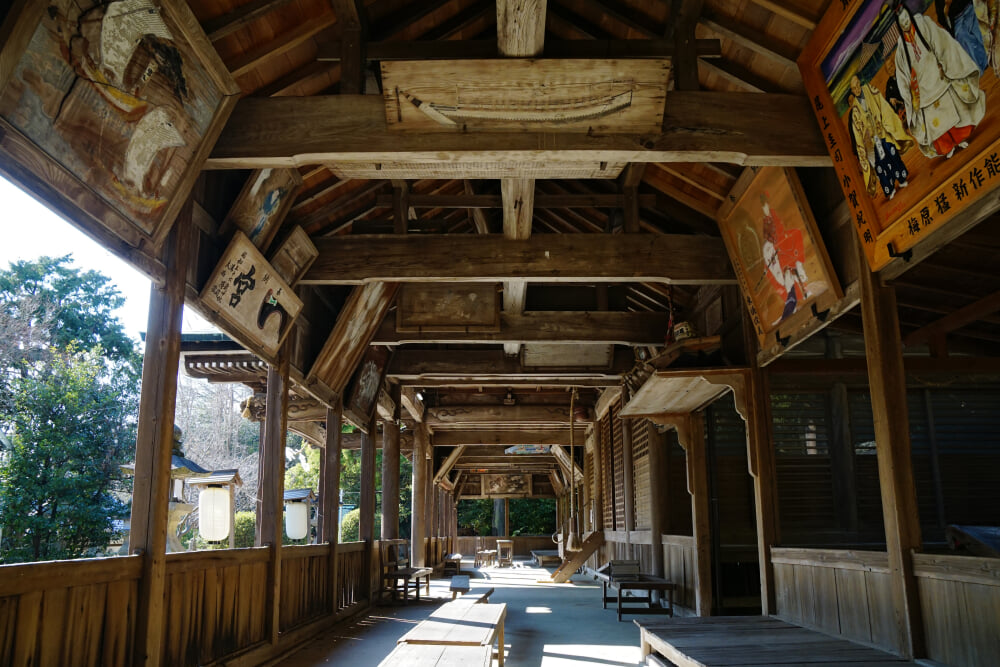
<point x="213" y="513"/>
<point x="296" y="520"/>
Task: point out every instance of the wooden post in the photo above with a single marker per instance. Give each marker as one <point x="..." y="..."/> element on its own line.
<point x="390" y="477"/>
<point x="366" y="523"/>
<point x="418" y="526"/>
<point x="154" y="442"/>
<point x="628" y="475"/>
<point x="232" y="515"/>
<point x="887" y="380"/>
<point x="506" y="517"/>
<point x="272" y="483"/>
<point x="330" y="497"/>
<point x="598" y="479"/>
<point x="657" y="496"/>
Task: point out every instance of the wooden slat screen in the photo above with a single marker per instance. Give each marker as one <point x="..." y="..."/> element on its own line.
<point x="607" y="474"/>
<point x="619" y="466"/>
<point x="640" y="464"/>
<point x="588" y="484"/>
<point x="734" y="504"/>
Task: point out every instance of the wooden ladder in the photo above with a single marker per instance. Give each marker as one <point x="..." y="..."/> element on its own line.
<point x="576" y="560"/>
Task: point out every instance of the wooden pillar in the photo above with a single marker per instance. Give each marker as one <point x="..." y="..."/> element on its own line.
<point x="506" y="517"/>
<point x="270" y="527"/>
<point x="330" y="497"/>
<point x="499" y="520"/>
<point x="598" y="479"/>
<point x="887" y="381"/>
<point x="657" y="495"/>
<point x="390" y="480"/>
<point x="366" y="523"/>
<point x="418" y="525"/>
<point x="628" y="475"/>
<point x="151" y="489"/>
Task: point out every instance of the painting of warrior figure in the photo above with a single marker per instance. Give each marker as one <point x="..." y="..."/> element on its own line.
<point x="906" y="95"/>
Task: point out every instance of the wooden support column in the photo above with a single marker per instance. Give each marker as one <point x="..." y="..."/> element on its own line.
<point x="154" y="443"/>
<point x="887" y="380"/>
<point x="418" y="525"/>
<point x="658" y="497"/>
<point x="628" y="475"/>
<point x="400" y="206"/>
<point x="366" y="524"/>
<point x="390" y="473"/>
<point x="330" y="502"/>
<point x="272" y="483"/>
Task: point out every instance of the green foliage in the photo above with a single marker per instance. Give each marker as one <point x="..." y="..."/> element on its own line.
<point x="475" y="517"/>
<point x="245" y="527"/>
<point x="350" y="527"/>
<point x="532" y="516"/>
<point x="69" y="380"/>
<point x="304" y="472"/>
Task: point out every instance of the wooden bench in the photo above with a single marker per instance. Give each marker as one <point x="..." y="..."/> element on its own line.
<point x="741" y="641"/>
<point x="624" y="575"/>
<point x="453" y="562"/>
<point x="407" y="576"/>
<point x="459" y="584"/>
<point x="541" y="556"/>
<point x="461" y="624"/>
<point x="408" y="655"/>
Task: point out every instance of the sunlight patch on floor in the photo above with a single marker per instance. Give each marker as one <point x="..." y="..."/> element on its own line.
<point x="574" y="655"/>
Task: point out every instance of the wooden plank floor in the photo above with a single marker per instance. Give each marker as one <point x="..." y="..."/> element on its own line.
<point x="737" y="641"/>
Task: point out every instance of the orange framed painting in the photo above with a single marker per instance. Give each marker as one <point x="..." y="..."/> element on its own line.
<point x="907" y="102"/>
<point x="778" y="256"/>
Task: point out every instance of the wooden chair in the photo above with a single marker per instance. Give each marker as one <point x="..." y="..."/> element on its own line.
<point x="484" y="555"/>
<point x="505" y="553"/>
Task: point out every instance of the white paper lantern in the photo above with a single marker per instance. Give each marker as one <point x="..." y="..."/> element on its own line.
<point x="296" y="520"/>
<point x="213" y="513"/>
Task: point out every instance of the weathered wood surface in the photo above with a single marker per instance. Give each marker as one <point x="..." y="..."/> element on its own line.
<point x="447" y="308"/>
<point x="506" y="436"/>
<point x="479" y="367"/>
<point x="294" y="257"/>
<point x="845" y="593"/>
<point x="501" y="416"/>
<point x="481" y="201"/>
<point x="680" y="392"/>
<point x="262" y="205"/>
<point x="429" y="655"/>
<point x="348" y="341"/>
<point x="561" y="258"/>
<point x="560" y="355"/>
<point x="678" y="567"/>
<point x="346" y="130"/>
<point x="960" y="599"/>
<point x="305" y="588"/>
<point x="739" y="641"/>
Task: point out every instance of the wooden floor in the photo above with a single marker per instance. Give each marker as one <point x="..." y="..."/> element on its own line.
<point x="735" y="641"/>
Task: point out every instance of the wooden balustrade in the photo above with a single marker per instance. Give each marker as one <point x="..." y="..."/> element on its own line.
<point x="523" y="544"/>
<point x="841" y="592"/>
<point x="79" y="612"/>
<point x="960" y="601"/>
<point x="214" y="604"/>
<point x="350" y="575"/>
<point x="305" y="590"/>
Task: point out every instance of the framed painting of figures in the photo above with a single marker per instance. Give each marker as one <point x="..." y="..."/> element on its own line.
<point x="778" y="255"/>
<point x="368" y="380"/>
<point x="262" y="205"/>
<point x="109" y="109"/>
<point x="907" y="94"/>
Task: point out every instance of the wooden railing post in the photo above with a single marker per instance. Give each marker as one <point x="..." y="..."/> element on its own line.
<point x="628" y="476"/>
<point x="154" y="442"/>
<point x="418" y="525"/>
<point x="390" y="472"/>
<point x="887" y="381"/>
<point x="367" y="505"/>
<point x="657" y="485"/>
<point x="330" y="498"/>
<point x="272" y="483"/>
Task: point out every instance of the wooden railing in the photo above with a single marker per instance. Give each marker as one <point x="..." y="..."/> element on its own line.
<point x="79" y="612"/>
<point x="842" y="592"/>
<point x="960" y="600"/>
<point x="350" y="575"/>
<point x="305" y="588"/>
<point x="523" y="544"/>
<point x="678" y="567"/>
<point x="214" y="604"/>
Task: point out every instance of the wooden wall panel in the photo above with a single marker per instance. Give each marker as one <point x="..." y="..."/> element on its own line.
<point x="640" y="468"/>
<point x="678" y="567"/>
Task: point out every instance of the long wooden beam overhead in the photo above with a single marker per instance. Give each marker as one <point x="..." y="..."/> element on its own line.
<point x="582" y="200"/>
<point x="506" y="437"/>
<point x="459" y="416"/>
<point x="480" y="367"/>
<point x="677" y="259"/>
<point x="621" y="328"/>
<point x="480" y="49"/>
<point x="346" y="130"/>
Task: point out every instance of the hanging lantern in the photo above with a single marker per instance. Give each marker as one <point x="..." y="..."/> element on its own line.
<point x="213" y="513"/>
<point x="296" y="520"/>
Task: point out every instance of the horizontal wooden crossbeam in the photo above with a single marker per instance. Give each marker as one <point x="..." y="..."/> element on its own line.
<point x="496" y="201"/>
<point x="562" y="258"/>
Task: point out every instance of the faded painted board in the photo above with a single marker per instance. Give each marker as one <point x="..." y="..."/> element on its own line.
<point x="294" y="257"/>
<point x="448" y="308"/>
<point x="263" y="203"/>
<point x="556" y="355"/>
<point x="127" y="98"/>
<point x="368" y="380"/>
<point x="852" y="600"/>
<point x="475" y="169"/>
<point x="247" y="292"/>
<point x="500" y="485"/>
<point x="605" y="96"/>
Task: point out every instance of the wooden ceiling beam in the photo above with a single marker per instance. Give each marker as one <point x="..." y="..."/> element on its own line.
<point x="286" y="84"/>
<point x="282" y="44"/>
<point x="553" y="258"/>
<point x="628" y="19"/>
<point x="483" y="367"/>
<point x="698" y="127"/>
<point x="752" y="40"/>
<point x="618" y="328"/>
<point x="542" y="200"/>
<point x="973" y="312"/>
<point x="404" y="18"/>
<point x="477" y="215"/>
<point x="506" y="437"/>
<point x="684" y="17"/>
<point x="781" y="9"/>
<point x="230" y="22"/>
<point x="741" y="77"/>
<point x="482" y="13"/>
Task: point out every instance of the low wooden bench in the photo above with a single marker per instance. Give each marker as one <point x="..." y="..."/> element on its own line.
<point x="541" y="556"/>
<point x="453" y="562"/>
<point x="624" y="575"/>
<point x="459" y="584"/>
<point x="741" y="641"/>
<point x="461" y="624"/>
<point x="408" y="577"/>
<point x="408" y="655"/>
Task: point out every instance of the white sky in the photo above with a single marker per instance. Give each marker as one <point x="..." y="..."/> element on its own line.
<point x="29" y="230"/>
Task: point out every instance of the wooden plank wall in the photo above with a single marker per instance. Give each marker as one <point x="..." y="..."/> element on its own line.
<point x="305" y="590"/>
<point x="640" y="467"/>
<point x="840" y="592"/>
<point x="69" y="612"/>
<point x="214" y="604"/>
<point x="678" y="567"/>
<point x="960" y="601"/>
<point x="523" y="544"/>
<point x="350" y="558"/>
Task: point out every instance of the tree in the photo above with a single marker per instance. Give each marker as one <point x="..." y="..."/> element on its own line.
<point x="69" y="379"/>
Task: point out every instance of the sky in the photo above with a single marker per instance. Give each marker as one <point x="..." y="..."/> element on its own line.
<point x="30" y="230"/>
